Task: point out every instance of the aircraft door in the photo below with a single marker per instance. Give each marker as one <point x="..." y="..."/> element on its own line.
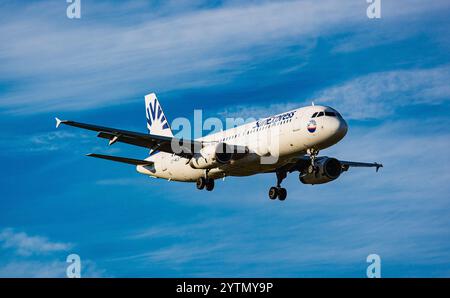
<point x="263" y="141"/>
<point x="297" y="122"/>
<point x="163" y="162"/>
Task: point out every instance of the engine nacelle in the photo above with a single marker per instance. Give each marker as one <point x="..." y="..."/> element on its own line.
<point x="212" y="156"/>
<point x="328" y="169"/>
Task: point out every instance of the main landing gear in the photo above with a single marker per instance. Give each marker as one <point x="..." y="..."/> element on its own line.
<point x="278" y="191"/>
<point x="281" y="193"/>
<point x="207" y="183"/>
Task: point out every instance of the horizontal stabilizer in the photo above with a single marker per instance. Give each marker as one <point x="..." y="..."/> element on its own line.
<point x="58" y="122"/>
<point x="131" y="161"/>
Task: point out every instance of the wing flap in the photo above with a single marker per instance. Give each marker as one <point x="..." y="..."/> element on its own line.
<point x="113" y="137"/>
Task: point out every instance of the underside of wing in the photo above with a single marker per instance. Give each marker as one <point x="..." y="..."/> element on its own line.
<point x="302" y="162"/>
<point x="347" y="164"/>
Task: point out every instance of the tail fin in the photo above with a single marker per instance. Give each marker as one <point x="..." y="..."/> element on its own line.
<point x="157" y="123"/>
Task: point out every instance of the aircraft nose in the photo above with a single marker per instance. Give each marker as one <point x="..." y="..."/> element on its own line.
<point x="343" y="128"/>
<point x="338" y="128"/>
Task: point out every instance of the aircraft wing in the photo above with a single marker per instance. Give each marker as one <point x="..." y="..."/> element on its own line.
<point x="347" y="164"/>
<point x="303" y="161"/>
<point x="154" y="142"/>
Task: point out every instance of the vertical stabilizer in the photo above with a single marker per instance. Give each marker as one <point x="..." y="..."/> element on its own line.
<point x="157" y="123"/>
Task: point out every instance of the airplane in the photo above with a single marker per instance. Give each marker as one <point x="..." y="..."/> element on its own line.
<point x="279" y="144"/>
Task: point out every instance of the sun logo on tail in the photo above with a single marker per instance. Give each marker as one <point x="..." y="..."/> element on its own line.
<point x="156" y="120"/>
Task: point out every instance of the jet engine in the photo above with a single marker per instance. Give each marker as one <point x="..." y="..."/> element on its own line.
<point x="327" y="170"/>
<point x="213" y="156"/>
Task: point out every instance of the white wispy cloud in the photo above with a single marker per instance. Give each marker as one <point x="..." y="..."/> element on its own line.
<point x="33" y="269"/>
<point x="256" y="111"/>
<point x="59" y="64"/>
<point x="38" y="256"/>
<point x="380" y="94"/>
<point x="376" y="95"/>
<point x="47" y="141"/>
<point x="42" y="142"/>
<point x="46" y="269"/>
<point x="46" y="138"/>
<point x="183" y="253"/>
<point x="180" y="230"/>
<point x="26" y="245"/>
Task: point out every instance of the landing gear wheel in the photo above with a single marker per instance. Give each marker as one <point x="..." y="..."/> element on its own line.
<point x="273" y="193"/>
<point x="311" y="169"/>
<point x="282" y="194"/>
<point x="278" y="191"/>
<point x="209" y="184"/>
<point x="201" y="183"/>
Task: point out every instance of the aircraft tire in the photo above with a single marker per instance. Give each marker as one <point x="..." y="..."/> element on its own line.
<point x="282" y="194"/>
<point x="209" y="184"/>
<point x="273" y="193"/>
<point x="201" y="183"/>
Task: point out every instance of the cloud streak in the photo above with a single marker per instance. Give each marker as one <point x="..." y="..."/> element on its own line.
<point x="38" y="257"/>
<point x="25" y="245"/>
<point x="379" y="95"/>
<point x="55" y="64"/>
<point x="371" y="96"/>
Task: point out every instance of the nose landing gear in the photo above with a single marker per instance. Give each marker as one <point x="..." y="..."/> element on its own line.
<point x="312" y="155"/>
<point x="278" y="191"/>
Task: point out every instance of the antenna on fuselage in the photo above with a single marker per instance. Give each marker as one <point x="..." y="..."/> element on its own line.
<point x="312" y="103"/>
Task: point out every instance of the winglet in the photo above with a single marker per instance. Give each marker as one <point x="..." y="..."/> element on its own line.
<point x="58" y="122"/>
<point x="378" y="166"/>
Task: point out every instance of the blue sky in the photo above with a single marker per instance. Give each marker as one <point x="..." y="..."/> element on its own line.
<point x="388" y="77"/>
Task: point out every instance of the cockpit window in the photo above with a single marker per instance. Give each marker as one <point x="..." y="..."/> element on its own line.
<point x="314" y="115"/>
<point x="320" y="114"/>
<point x="331" y="114"/>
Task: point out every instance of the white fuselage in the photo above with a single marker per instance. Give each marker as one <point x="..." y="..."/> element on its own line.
<point x="272" y="142"/>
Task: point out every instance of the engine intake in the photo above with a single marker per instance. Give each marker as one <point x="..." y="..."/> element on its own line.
<point x="213" y="156"/>
<point x="224" y="153"/>
<point x="328" y="169"/>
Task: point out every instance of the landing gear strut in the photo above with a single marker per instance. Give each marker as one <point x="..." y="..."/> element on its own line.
<point x="278" y="191"/>
<point x="207" y="183"/>
<point x="312" y="155"/>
